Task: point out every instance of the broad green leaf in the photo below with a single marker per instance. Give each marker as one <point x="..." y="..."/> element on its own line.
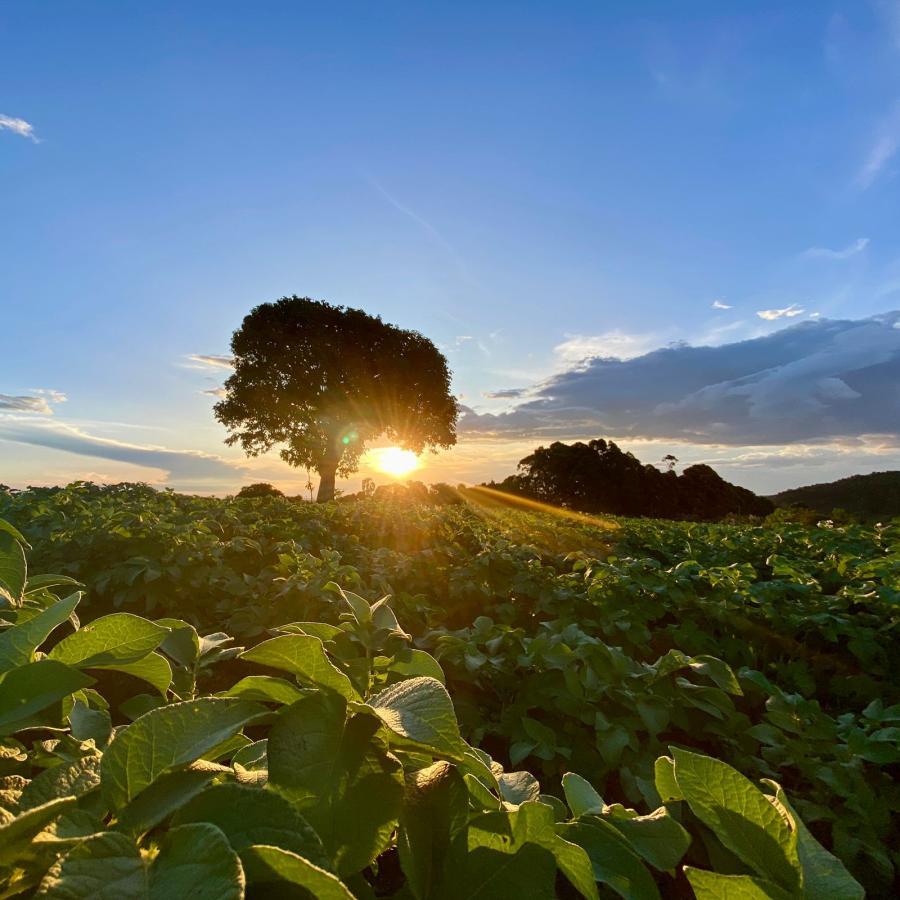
<point x="385" y="618"/>
<point x="714" y="886"/>
<point x="253" y="757"/>
<point x="275" y="865"/>
<point x="66" y="780"/>
<point x="304" y="656"/>
<point x="536" y="824"/>
<point x="613" y="861"/>
<point x="182" y="643"/>
<point x="105" y="866"/>
<point x="165" y="796"/>
<point x="43" y="582"/>
<point x="435" y="810"/>
<point x="321" y="630"/>
<point x="196" y="861"/>
<point x="167" y="738"/>
<point x="481" y="797"/>
<point x="109" y="642"/>
<point x="29" y="689"/>
<point x="120" y="642"/>
<point x="657" y="837"/>
<point x="18" y="643"/>
<point x="412" y="663"/>
<point x="11" y="529"/>
<point x="90" y="724"/>
<point x="666" y="785"/>
<point x="72" y="826"/>
<point x="362" y="611"/>
<point x="265" y="689"/>
<point x="248" y="815"/>
<point x="824" y="875"/>
<point x="134" y="707"/>
<point x="226" y="748"/>
<point x="502" y="862"/>
<point x="583" y="800"/>
<point x="719" y="672"/>
<point x="338" y="777"/>
<point x="17" y="833"/>
<point x="518" y="787"/>
<point x="13" y="569"/>
<point x="154" y="668"/>
<point x="740" y="816"/>
<point x="420" y="710"/>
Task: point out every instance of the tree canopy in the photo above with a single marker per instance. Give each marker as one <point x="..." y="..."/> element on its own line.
<point x="599" y="477"/>
<point x="323" y="381"/>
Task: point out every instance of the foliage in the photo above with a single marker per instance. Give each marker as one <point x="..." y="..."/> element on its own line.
<point x="337" y="770"/>
<point x="872" y="497"/>
<point x="321" y="381"/>
<point x="598" y="477"/>
<point x="260" y="489"/>
<point x="567" y="643"/>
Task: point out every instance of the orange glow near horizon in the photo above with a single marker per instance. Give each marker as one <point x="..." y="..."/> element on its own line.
<point x="394" y="461"/>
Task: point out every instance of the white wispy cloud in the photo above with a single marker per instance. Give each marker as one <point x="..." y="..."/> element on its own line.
<point x="18" y="126"/>
<point x="789" y="312"/>
<point x="219" y="392"/>
<point x="203" y="361"/>
<point x="178" y="465"/>
<point x="718" y="304"/>
<point x="40" y="401"/>
<point x="882" y="152"/>
<point x="611" y="344"/>
<point x="852" y="249"/>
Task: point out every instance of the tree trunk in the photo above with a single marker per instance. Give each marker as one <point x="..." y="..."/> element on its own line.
<point x="327" y="470"/>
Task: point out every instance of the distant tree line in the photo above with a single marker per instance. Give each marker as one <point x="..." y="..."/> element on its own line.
<point x="599" y="477"/>
<point x="868" y="497"/>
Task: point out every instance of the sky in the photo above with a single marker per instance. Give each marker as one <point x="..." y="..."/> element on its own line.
<point x="672" y="225"/>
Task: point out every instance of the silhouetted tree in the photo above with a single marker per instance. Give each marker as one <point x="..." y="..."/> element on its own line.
<point x="599" y="477"/>
<point x="322" y="380"/>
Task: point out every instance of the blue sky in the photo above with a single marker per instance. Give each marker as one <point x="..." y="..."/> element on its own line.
<point x="530" y="185"/>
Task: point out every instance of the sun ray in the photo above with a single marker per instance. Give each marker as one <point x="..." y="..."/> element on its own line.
<point x="395" y="461"/>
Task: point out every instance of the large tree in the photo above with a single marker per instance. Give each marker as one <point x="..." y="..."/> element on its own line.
<point x="322" y="381"/>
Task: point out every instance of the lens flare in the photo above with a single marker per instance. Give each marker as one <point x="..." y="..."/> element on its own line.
<point x="395" y="461"/>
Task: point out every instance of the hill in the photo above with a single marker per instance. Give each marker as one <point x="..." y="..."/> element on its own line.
<point x="875" y="496"/>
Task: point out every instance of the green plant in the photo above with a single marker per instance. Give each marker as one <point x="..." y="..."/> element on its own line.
<point x="336" y="770"/>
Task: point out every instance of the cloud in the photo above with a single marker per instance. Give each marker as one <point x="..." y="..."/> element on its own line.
<point x="202" y="361"/>
<point x="789" y="312"/>
<point x="506" y="394"/>
<point x="18" y="126"/>
<point x="579" y="347"/>
<point x="178" y="465"/>
<point x="39" y="401"/>
<point x="718" y="304"/>
<point x="857" y="246"/>
<point x="819" y="379"/>
<point x="882" y="151"/>
<point x="216" y="392"/>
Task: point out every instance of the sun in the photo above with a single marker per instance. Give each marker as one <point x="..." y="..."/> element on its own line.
<point x="396" y="461"/>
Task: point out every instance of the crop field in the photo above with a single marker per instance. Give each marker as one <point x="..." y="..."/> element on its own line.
<point x="453" y="698"/>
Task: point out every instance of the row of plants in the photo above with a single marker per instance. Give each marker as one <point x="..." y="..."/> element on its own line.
<point x="328" y="762"/>
<point x="567" y="642"/>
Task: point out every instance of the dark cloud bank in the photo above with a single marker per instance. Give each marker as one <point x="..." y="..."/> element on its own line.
<point x="816" y="380"/>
